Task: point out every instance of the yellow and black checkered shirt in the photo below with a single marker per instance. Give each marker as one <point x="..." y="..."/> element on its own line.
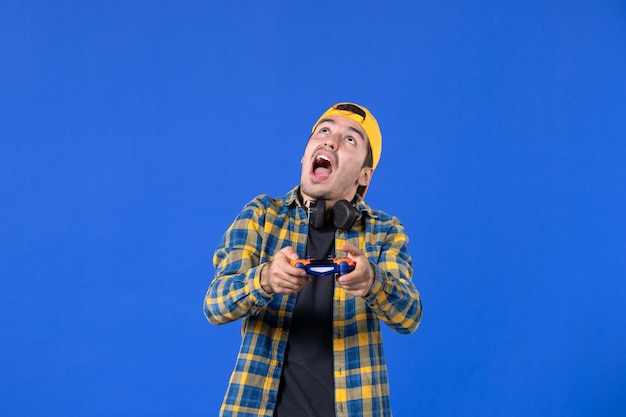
<point x="264" y="227"/>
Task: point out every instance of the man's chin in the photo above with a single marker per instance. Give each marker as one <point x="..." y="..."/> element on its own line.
<point x="314" y="191"/>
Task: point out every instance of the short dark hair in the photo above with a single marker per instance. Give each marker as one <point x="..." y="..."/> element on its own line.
<point x="369" y="161"/>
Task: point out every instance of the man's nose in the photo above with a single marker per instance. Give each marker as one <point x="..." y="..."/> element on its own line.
<point x="332" y="142"/>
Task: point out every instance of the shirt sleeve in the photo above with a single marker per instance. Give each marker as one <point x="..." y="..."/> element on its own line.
<point x="235" y="291"/>
<point x="393" y="295"/>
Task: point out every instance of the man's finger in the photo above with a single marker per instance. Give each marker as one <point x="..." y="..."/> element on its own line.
<point x="289" y="252"/>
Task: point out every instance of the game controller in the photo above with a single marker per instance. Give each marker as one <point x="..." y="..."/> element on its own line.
<point x="323" y="267"/>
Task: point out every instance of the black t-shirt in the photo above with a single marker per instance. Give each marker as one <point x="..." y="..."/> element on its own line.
<point x="307" y="383"/>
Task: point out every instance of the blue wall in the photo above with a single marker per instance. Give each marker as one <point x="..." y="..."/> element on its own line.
<point x="132" y="133"/>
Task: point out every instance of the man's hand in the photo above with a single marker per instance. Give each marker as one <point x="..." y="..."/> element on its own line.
<point x="358" y="282"/>
<point x="280" y="277"/>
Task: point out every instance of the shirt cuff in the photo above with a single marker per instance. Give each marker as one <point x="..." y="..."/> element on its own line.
<point x="377" y="286"/>
<point x="255" y="288"/>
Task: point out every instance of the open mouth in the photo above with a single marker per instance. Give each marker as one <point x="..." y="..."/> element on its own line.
<point x="322" y="167"/>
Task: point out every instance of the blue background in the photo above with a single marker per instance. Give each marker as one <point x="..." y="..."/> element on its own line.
<point x="132" y="133"/>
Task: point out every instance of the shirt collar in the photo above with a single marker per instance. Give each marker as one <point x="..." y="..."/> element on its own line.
<point x="293" y="198"/>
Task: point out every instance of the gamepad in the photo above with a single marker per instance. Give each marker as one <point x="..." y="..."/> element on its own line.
<point x="323" y="267"/>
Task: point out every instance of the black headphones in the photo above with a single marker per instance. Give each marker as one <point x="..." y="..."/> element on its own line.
<point x="343" y="215"/>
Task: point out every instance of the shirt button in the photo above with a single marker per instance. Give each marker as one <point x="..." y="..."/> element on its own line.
<point x="272" y="399"/>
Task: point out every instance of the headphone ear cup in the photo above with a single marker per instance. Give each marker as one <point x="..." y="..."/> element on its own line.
<point x="344" y="215"/>
<point x="317" y="212"/>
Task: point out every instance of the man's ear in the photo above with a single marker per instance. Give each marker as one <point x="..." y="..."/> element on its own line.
<point x="366" y="176"/>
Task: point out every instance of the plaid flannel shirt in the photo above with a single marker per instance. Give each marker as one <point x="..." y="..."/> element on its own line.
<point x="265" y="226"/>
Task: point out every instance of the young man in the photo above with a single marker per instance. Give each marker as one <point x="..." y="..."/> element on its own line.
<point x="312" y="345"/>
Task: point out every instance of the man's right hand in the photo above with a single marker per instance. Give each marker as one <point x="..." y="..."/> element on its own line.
<point x="280" y="277"/>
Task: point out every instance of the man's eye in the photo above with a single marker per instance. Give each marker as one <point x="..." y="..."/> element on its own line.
<point x="351" y="140"/>
<point x="324" y="130"/>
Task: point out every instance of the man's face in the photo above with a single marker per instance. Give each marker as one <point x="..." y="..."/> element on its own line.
<point x="332" y="165"/>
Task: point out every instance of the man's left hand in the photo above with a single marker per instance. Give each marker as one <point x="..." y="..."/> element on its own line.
<point x="359" y="281"/>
